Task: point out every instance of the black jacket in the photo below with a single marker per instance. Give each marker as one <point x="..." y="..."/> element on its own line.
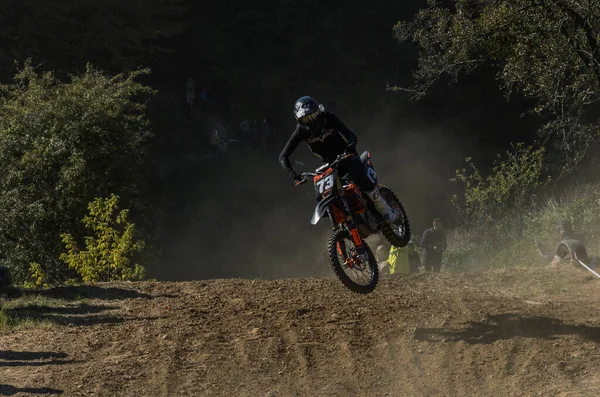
<point x="332" y="141"/>
<point x="432" y="238"/>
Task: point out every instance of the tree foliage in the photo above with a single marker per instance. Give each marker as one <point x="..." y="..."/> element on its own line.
<point x="510" y="187"/>
<point x="547" y="50"/>
<point x="61" y="145"/>
<point x="109" y="250"/>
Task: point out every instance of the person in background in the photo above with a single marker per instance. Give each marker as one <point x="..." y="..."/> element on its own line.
<point x="433" y="245"/>
<point x="565" y="229"/>
<point x="381" y="257"/>
<point x="204" y="98"/>
<point x="398" y="260"/>
<point x="414" y="260"/>
<point x="565" y="232"/>
<point x="215" y="143"/>
<point x="244" y="135"/>
<point x="190" y="91"/>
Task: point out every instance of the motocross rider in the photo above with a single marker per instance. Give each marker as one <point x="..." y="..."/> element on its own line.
<point x="327" y="137"/>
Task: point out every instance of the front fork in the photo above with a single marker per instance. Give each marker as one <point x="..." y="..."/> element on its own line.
<point x="351" y="226"/>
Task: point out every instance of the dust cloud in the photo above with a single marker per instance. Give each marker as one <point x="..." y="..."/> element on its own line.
<point x="254" y="223"/>
<point x="251" y="222"/>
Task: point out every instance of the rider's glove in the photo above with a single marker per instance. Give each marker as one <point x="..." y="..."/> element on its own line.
<point x="298" y="178"/>
<point x="351" y="147"/>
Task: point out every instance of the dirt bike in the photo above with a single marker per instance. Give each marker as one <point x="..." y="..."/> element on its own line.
<point x="354" y="218"/>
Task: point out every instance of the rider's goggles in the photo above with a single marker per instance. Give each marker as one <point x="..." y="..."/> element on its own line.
<point x="309" y="118"/>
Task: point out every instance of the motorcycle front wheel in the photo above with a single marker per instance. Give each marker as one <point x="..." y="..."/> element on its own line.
<point x="358" y="274"/>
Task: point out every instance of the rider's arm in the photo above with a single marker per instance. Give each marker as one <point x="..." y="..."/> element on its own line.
<point x="338" y="125"/>
<point x="290" y="146"/>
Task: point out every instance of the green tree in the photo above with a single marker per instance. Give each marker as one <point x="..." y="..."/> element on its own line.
<point x="547" y="50"/>
<point x="61" y="145"/>
<point x="108" y="252"/>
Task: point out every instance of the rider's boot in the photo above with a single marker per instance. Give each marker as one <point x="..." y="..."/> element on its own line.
<point x="382" y="206"/>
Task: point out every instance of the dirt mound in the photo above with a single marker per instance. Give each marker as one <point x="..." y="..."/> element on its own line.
<point x="506" y="333"/>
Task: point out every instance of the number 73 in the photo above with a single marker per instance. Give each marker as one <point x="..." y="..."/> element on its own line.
<point x="324" y="184"/>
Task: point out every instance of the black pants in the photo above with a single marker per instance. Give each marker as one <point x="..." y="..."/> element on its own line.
<point x="432" y="263"/>
<point x="361" y="173"/>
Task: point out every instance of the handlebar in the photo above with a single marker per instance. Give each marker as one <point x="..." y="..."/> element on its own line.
<point x="306" y="175"/>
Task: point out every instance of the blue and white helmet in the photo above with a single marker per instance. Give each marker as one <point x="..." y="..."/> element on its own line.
<point x="307" y="110"/>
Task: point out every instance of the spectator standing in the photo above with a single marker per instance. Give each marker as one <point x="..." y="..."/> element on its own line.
<point x="190" y="91"/>
<point x="381" y="257"/>
<point x="244" y="137"/>
<point x="215" y="143"/>
<point x="398" y="260"/>
<point x="204" y="97"/>
<point x="433" y="245"/>
<point x="414" y="259"/>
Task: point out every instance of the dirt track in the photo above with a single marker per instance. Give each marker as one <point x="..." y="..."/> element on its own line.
<point x="513" y="333"/>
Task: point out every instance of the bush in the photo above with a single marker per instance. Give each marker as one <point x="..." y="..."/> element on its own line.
<point x="61" y="145"/>
<point x="511" y="186"/>
<point x="108" y="252"/>
<point x="492" y="246"/>
<point x="495" y="210"/>
<point x="37" y="277"/>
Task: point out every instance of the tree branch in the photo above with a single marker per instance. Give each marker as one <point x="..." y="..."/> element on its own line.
<point x="420" y="93"/>
<point x="590" y="36"/>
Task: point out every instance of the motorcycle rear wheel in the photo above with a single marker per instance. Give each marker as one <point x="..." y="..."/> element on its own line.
<point x="343" y="259"/>
<point x="398" y="233"/>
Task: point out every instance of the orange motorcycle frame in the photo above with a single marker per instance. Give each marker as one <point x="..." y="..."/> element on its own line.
<point x="335" y="202"/>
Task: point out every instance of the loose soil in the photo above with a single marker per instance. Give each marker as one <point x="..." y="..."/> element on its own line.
<point x="510" y="333"/>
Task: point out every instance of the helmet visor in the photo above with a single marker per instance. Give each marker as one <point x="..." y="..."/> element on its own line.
<point x="309" y="118"/>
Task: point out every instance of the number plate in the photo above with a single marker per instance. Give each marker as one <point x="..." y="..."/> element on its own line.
<point x="325" y="183"/>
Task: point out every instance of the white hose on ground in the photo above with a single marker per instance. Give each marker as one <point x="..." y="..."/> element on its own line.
<point x="586" y="266"/>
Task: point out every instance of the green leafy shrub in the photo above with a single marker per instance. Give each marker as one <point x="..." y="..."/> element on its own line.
<point x="61" y="145"/>
<point x="511" y="186"/>
<point x="109" y="250"/>
<point x="494" y="209"/>
<point x="503" y="218"/>
<point x="37" y="277"/>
